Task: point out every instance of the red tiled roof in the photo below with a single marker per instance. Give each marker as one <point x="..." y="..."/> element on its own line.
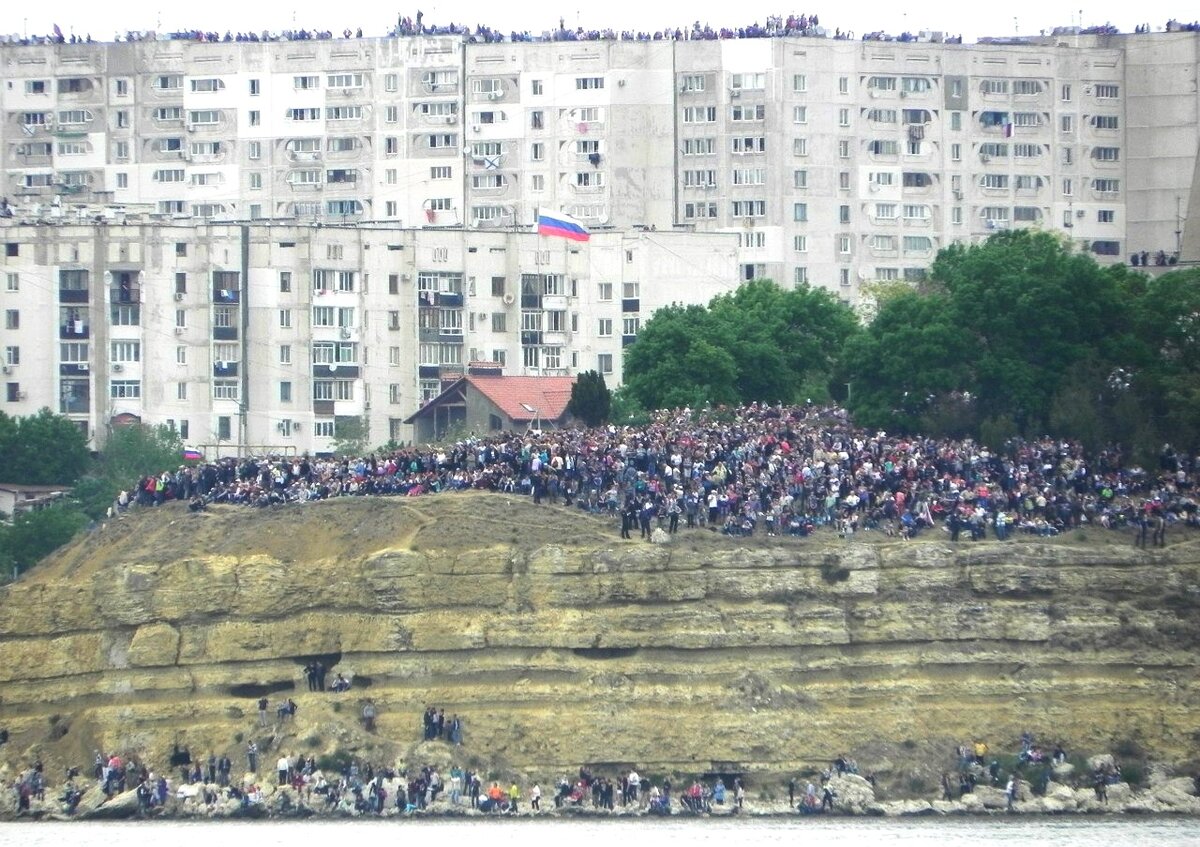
<point x="549" y="395"/>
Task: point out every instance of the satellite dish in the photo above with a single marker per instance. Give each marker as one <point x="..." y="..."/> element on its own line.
<point x="332" y="367"/>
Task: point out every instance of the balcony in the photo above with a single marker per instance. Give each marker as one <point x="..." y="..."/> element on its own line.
<point x="74" y="330"/>
<point x="125" y="294"/>
<point x="225" y="333"/>
<point x="554" y="302"/>
<point x="72" y="295"/>
<point x="226" y="295"/>
<point x="225" y="369"/>
<point x="630" y="304"/>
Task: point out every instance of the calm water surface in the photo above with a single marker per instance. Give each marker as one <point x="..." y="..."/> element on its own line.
<point x="1068" y="832"/>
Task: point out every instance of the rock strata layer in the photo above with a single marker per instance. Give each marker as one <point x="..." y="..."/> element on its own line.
<point x="560" y="645"/>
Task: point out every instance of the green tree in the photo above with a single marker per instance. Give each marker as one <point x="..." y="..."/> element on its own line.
<point x="1032" y="309"/>
<point x="994" y="338"/>
<point x="42" y="449"/>
<point x="129" y="452"/>
<point x="591" y="401"/>
<point x="33" y="535"/>
<point x="912" y="354"/>
<point x="758" y="343"/>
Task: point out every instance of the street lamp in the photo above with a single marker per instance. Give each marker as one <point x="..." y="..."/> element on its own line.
<point x="537" y="417"/>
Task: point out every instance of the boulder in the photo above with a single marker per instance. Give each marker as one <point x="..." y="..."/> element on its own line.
<point x="908" y="808"/>
<point x="1176" y="795"/>
<point x="990" y="798"/>
<point x="1106" y="760"/>
<point x="853" y="793"/>
<point x="660" y="536"/>
<point x="1063" y="771"/>
<point x="120" y="807"/>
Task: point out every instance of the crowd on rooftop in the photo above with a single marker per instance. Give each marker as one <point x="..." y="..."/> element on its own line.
<point x="758" y="469"/>
<point x="775" y="26"/>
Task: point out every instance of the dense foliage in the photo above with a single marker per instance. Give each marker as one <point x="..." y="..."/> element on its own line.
<point x="1019" y="335"/>
<point x="42" y="449"/>
<point x="591" y="401"/>
<point x="760" y="342"/>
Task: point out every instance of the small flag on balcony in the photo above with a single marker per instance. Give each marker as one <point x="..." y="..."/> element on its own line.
<point x="560" y="225"/>
<point x="1008" y="130"/>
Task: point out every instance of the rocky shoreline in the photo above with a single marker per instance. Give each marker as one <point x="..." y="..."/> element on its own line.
<point x="1165" y="795"/>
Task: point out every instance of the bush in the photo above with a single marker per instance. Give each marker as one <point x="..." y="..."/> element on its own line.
<point x="335" y="762"/>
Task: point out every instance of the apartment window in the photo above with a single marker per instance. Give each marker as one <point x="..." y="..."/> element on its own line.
<point x="843" y="117"/>
<point x="1106" y="122"/>
<point x="285" y="281"/>
<point x="181" y="319"/>
<point x="844" y="214"/>
<point x="800" y="212"/>
<point x="181" y="355"/>
<point x="343" y="113"/>
<point x="699" y="114"/>
<point x="12" y="355"/>
<point x="844" y="148"/>
<point x="537" y="151"/>
<point x="1106" y="216"/>
<point x="254" y="150"/>
<point x="1107" y="92"/>
<point x="180" y="392"/>
<point x="1106" y="154"/>
<point x="799" y="114"/>
<point x="225" y="389"/>
<point x="12" y="282"/>
<point x="1106" y="186"/>
<point x="604" y="363"/>
<point x="748" y="208"/>
<point x="956" y="152"/>
<point x="800" y="146"/>
<point x="285" y="391"/>
<point x="285" y="318"/>
<point x="843" y="85"/>
<point x="391" y="114"/>
<point x="125" y="389"/>
<point x="604" y="327"/>
<point x="882" y="83"/>
<point x="126" y="351"/>
<point x="844" y="244"/>
<point x="799" y="83"/>
<point x="589" y="83"/>
<point x="12" y="319"/>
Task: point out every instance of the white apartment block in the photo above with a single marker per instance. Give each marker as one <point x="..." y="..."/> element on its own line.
<point x="267" y="336"/>
<point x="417" y="165"/>
<point x="836" y="162"/>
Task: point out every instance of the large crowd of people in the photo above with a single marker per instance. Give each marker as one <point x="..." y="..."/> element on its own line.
<point x="755" y="470"/>
<point x="774" y="26"/>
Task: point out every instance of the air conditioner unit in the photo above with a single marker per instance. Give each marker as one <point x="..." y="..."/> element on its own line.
<point x="345" y="333"/>
<point x="117" y="368"/>
<point x="495" y="95"/>
<point x="958" y="195"/>
<point x="1081" y="213"/>
<point x="23" y="395"/>
<point x="179" y="330"/>
<point x="985" y="158"/>
<point x="734" y="93"/>
<point x="178" y="296"/>
<point x="482" y="316"/>
<point x="476" y="128"/>
<point x="83" y="367"/>
<point x="903" y="93"/>
<point x="5" y="369"/>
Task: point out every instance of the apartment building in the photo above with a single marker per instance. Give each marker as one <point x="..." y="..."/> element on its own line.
<point x="269" y="336"/>
<point x="836" y="162"/>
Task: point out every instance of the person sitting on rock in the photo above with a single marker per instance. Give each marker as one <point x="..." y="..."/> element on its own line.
<point x="340" y="684"/>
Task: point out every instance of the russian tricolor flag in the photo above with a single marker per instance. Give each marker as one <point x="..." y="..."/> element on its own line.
<point x="563" y="226"/>
<point x="193" y="456"/>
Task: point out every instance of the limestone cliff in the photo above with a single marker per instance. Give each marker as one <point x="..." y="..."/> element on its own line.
<point x="560" y="644"/>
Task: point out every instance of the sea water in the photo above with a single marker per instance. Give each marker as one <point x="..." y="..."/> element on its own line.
<point x="1068" y="831"/>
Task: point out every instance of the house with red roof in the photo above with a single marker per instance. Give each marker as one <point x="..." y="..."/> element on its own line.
<point x="485" y="401"/>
